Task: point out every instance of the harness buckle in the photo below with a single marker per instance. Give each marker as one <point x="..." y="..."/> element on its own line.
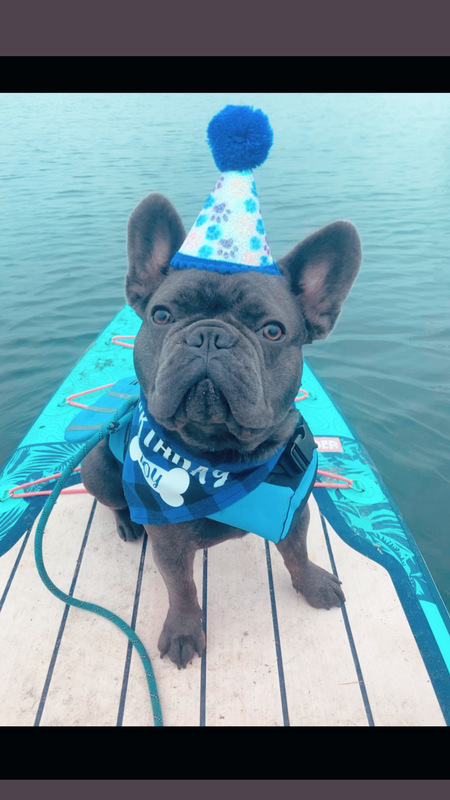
<point x="302" y="448"/>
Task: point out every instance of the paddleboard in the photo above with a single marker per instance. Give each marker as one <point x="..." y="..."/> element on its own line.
<point x="383" y="658"/>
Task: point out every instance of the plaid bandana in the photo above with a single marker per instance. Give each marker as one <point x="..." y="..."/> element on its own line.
<point x="163" y="483"/>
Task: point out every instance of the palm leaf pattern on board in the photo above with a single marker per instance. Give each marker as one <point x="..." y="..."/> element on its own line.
<point x="368" y="513"/>
<point x="27" y="464"/>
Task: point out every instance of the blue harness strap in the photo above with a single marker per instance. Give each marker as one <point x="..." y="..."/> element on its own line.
<point x="119" y="440"/>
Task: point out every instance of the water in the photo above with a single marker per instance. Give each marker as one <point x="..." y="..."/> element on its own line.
<point x="74" y="166"/>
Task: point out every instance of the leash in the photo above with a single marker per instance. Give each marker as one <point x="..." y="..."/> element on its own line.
<point x="124" y="412"/>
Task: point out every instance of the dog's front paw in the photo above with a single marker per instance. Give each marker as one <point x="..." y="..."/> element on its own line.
<point x="181" y="640"/>
<point x="320" y="588"/>
<point x="128" y="530"/>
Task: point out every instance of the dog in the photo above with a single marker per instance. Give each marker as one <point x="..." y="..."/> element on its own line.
<point x="219" y="361"/>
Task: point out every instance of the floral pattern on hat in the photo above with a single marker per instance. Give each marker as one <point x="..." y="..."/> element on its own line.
<point x="229" y="226"/>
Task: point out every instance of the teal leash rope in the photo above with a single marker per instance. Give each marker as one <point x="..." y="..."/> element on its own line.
<point x="124" y="413"/>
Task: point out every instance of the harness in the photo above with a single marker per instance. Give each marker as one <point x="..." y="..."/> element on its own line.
<point x="261" y="499"/>
<point x="163" y="483"/>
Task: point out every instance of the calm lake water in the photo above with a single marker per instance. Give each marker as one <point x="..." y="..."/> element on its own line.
<point x="74" y="166"/>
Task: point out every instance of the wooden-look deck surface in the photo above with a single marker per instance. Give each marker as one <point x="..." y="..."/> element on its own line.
<point x="271" y="659"/>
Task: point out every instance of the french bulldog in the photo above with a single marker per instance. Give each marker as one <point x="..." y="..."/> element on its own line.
<point x="219" y="360"/>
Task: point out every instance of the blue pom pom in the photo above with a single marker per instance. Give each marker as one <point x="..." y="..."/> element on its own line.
<point x="240" y="138"/>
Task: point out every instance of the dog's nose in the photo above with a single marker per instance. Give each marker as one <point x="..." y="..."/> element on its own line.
<point x="211" y="336"/>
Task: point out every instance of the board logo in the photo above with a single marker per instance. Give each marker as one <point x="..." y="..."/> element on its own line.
<point x="328" y="444"/>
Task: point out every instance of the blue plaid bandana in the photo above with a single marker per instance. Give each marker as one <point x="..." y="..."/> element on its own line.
<point x="163" y="483"/>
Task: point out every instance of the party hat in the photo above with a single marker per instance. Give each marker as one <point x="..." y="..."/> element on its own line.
<point x="229" y="235"/>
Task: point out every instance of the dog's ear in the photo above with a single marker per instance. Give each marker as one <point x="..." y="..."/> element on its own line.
<point x="155" y="232"/>
<point x="321" y="270"/>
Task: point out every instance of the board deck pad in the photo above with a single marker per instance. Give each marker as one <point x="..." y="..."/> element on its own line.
<point x="271" y="659"/>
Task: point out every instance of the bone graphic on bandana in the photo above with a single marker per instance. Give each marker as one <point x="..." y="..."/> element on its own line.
<point x="170" y="484"/>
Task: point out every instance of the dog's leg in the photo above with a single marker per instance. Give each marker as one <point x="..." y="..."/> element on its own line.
<point x="320" y="588"/>
<point x="102" y="476"/>
<point x="174" y="548"/>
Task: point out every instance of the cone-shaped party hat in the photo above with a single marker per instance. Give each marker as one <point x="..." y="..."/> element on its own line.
<point x="229" y="234"/>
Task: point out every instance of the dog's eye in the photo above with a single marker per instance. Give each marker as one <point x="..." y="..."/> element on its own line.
<point x="161" y="316"/>
<point x="273" y="331"/>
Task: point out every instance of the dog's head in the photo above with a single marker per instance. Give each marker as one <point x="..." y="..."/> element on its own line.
<point x="219" y="357"/>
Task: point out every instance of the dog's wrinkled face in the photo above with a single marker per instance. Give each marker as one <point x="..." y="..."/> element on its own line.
<point x="219" y="357"/>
